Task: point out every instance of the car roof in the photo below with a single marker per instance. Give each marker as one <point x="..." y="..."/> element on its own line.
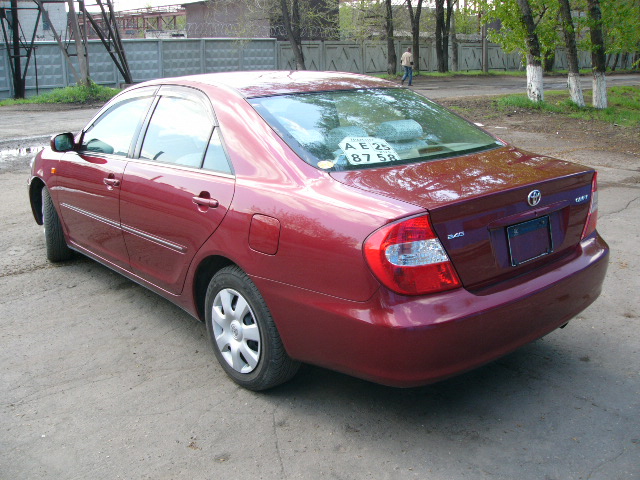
<point x="276" y="82"/>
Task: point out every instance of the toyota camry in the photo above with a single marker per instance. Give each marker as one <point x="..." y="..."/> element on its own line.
<point x="326" y="218"/>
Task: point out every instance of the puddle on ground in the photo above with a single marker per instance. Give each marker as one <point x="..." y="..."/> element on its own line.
<point x="18" y="153"/>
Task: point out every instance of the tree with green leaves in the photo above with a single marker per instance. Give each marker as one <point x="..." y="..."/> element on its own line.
<point x="621" y="27"/>
<point x="573" y="79"/>
<point x="294" y="20"/>
<point x="392" y="60"/>
<point x="598" y="56"/>
<point x="535" y="88"/>
<point x="414" y="17"/>
<point x="528" y="26"/>
<point x="360" y="20"/>
<point x="443" y="13"/>
<point x="607" y="27"/>
<point x="291" y="21"/>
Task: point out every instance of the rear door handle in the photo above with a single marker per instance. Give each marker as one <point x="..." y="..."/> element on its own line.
<point x="206" y="202"/>
<point x="111" y="182"/>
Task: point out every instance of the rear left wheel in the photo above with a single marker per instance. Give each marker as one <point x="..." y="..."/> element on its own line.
<point x="243" y="335"/>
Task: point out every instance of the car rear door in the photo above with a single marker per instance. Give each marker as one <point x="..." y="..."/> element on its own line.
<point x="88" y="180"/>
<point x="177" y="190"/>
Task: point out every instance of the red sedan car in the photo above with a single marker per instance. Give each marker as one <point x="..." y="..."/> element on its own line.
<point x="327" y="218"/>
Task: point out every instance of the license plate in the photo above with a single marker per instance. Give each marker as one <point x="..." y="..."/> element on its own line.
<point x="529" y="240"/>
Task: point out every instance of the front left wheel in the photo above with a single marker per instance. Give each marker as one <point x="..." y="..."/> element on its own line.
<point x="57" y="249"/>
<point x="244" y="337"/>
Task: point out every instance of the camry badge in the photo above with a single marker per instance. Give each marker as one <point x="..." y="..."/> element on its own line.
<point x="534" y="197"/>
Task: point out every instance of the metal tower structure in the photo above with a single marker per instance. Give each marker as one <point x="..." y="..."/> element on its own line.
<point x="19" y="46"/>
<point x="108" y="32"/>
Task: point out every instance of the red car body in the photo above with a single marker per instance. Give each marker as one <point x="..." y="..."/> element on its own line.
<point x="299" y="233"/>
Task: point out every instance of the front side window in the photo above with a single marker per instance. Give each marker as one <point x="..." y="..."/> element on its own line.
<point x="178" y="132"/>
<point x="354" y="129"/>
<point x="112" y="132"/>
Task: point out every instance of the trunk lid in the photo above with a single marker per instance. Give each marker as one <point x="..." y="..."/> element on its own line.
<point x="479" y="208"/>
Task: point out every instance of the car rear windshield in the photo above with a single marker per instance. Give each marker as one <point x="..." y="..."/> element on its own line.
<point x="346" y="130"/>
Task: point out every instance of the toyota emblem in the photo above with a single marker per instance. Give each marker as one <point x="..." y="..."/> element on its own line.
<point x="534" y="197"/>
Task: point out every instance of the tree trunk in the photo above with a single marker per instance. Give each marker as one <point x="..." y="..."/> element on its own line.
<point x="485" y="48"/>
<point x="535" y="88"/>
<point x="414" y="17"/>
<point x="392" y="60"/>
<point x="598" y="57"/>
<point x="292" y="26"/>
<point x="445" y="32"/>
<point x="616" y="59"/>
<point x="573" y="80"/>
<point x="440" y="27"/>
<point x="454" y="44"/>
<point x="548" y="62"/>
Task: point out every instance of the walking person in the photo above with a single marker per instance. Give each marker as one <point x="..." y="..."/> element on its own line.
<point x="407" y="63"/>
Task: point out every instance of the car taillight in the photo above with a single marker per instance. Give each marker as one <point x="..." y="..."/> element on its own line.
<point x="592" y="218"/>
<point x="408" y="258"/>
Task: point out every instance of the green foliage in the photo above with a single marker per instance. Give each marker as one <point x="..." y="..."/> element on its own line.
<point x="623" y="110"/>
<point x="362" y="19"/>
<point x="621" y="24"/>
<point x="512" y="35"/>
<point x="77" y="94"/>
<point x="466" y="21"/>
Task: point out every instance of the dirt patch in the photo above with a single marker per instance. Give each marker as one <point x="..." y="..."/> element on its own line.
<point x="587" y="134"/>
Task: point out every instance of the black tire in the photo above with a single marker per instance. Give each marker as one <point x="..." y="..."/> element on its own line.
<point x="57" y="249"/>
<point x="243" y="335"/>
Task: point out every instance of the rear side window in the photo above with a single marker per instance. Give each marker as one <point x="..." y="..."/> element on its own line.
<point x="352" y="129"/>
<point x="178" y="132"/>
<point x="216" y="158"/>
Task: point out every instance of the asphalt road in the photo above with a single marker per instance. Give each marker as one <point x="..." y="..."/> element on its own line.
<point x="103" y="379"/>
<point x="464" y="86"/>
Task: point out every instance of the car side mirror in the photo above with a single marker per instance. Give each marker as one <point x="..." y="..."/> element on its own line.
<point x="62" y="142"/>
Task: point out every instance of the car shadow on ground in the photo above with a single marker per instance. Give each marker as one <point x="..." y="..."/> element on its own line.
<point x="533" y="371"/>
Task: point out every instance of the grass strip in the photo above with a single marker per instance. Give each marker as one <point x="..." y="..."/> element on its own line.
<point x="623" y="109"/>
<point x="75" y="94"/>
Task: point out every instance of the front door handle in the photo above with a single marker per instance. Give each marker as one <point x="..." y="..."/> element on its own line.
<point x="206" y="202"/>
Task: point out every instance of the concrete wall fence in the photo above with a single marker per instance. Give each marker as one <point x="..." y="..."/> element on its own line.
<point x="155" y="58"/>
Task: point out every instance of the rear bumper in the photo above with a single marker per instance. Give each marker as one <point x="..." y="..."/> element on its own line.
<point x="410" y="341"/>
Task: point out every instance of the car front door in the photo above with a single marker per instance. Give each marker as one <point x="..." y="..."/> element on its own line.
<point x="89" y="179"/>
<point x="177" y="190"/>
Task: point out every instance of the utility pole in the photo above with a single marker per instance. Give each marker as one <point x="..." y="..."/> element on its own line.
<point x="80" y="46"/>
